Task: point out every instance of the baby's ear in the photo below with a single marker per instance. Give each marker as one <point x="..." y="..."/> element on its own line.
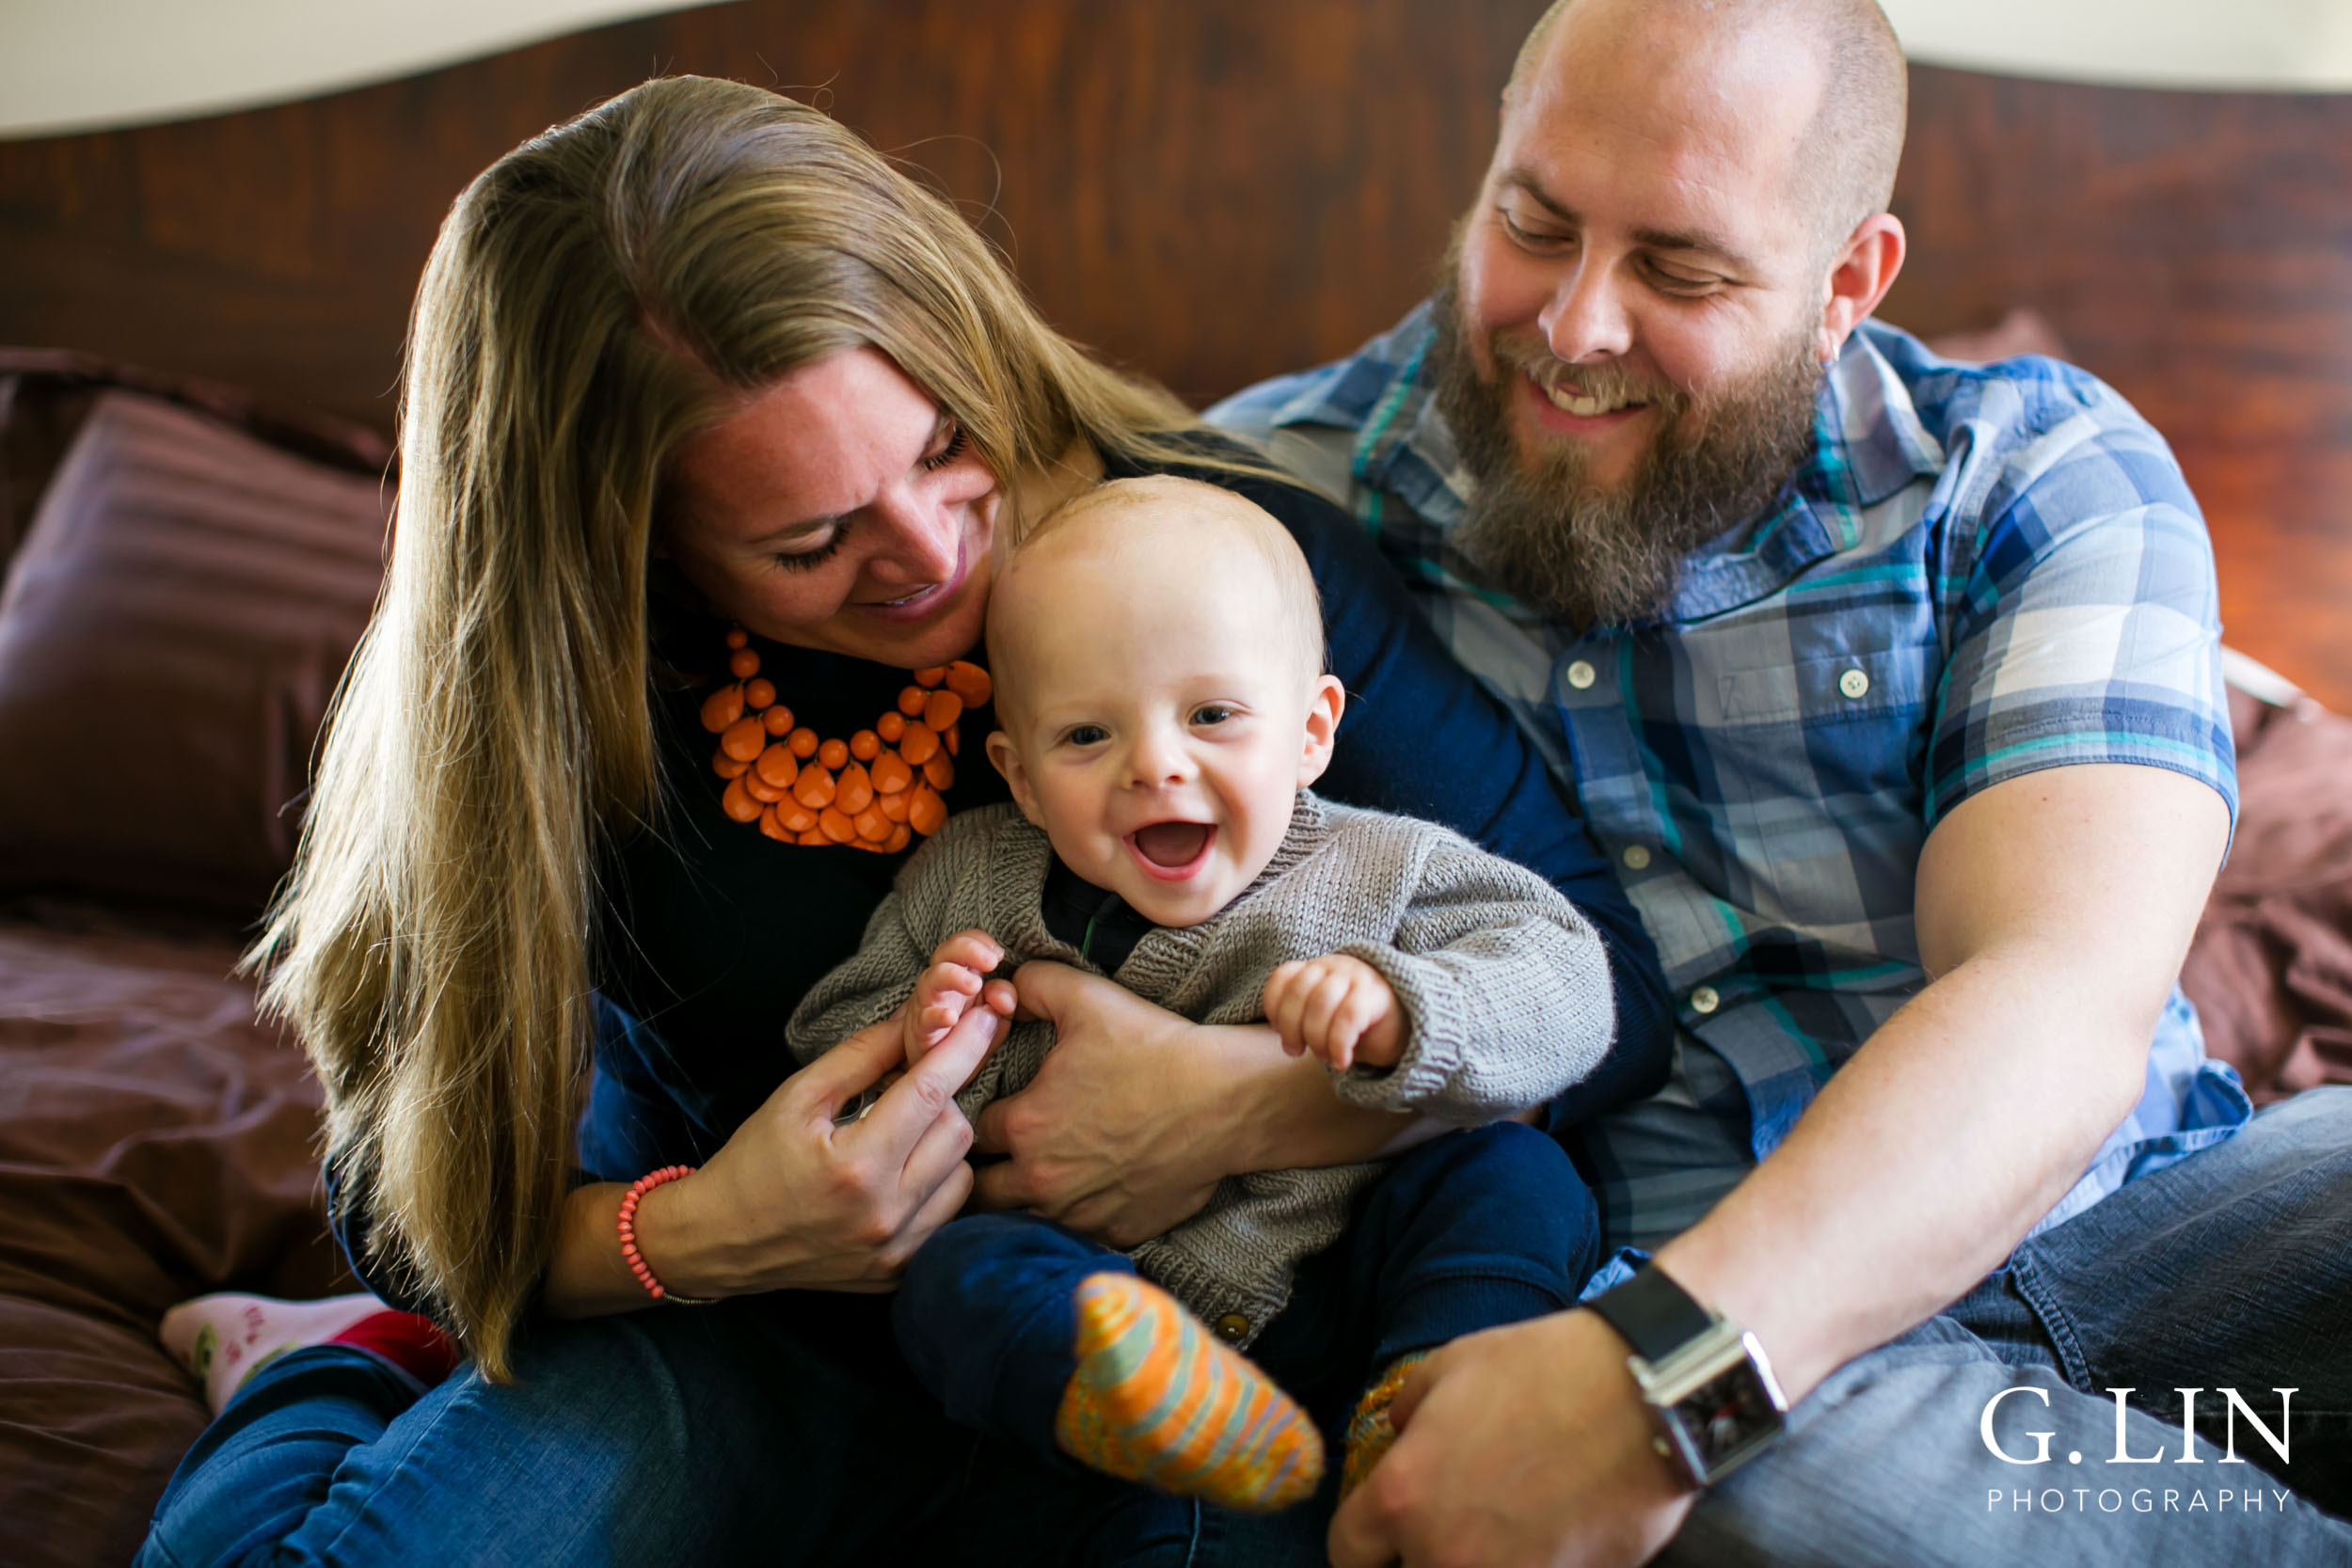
<point x="1323" y="707"/>
<point x="1008" y="761"/>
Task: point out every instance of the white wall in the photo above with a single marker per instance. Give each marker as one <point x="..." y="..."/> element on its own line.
<point x="2275" y="44"/>
<point x="77" y="65"/>
<point x="81" y="65"/>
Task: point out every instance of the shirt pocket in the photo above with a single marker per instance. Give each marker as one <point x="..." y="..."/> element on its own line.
<point x="1815" y="766"/>
<point x="1831" y="689"/>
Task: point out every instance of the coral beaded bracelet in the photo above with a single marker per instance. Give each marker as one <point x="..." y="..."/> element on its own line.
<point x="637" y="1266"/>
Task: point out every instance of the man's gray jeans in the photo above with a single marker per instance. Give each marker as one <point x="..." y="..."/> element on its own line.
<point x="2229" y="1270"/>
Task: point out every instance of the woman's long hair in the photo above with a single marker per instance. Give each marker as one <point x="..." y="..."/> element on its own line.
<point x="595" y="298"/>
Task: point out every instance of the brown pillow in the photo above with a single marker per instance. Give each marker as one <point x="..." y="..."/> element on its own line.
<point x="45" y="395"/>
<point x="171" y="629"/>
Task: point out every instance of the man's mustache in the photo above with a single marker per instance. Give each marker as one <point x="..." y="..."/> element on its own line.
<point x="1609" y="380"/>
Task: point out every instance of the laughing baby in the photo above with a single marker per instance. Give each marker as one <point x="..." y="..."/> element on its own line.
<point x="1157" y="649"/>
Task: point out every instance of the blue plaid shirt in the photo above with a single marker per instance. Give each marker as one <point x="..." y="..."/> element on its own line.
<point x="1979" y="572"/>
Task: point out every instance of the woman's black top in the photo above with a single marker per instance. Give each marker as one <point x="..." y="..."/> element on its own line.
<point x="712" y="931"/>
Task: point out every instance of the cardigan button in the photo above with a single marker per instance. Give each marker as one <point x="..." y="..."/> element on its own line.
<point x="1233" y="1328"/>
<point x="1636" y="857"/>
<point x="1704" y="1000"/>
<point x="1582" y="674"/>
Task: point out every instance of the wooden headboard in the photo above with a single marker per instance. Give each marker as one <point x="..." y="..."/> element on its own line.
<point x="1216" y="190"/>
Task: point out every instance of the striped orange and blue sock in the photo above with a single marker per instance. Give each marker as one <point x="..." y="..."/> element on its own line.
<point x="1158" y="1399"/>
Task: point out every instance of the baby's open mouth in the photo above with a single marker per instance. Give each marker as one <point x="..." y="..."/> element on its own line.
<point x="1172" y="846"/>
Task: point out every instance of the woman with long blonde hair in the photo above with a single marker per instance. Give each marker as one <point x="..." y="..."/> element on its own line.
<point x="711" y="420"/>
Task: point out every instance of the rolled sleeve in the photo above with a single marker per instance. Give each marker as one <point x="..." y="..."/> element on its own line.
<point x="2089" y="626"/>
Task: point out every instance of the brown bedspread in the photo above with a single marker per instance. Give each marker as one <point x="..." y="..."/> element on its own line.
<point x="2271" y="970"/>
<point x="154" y="1142"/>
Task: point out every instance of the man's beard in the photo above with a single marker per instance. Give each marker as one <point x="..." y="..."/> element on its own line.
<point x="1594" y="556"/>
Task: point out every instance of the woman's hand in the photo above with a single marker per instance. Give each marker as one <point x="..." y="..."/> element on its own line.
<point x="794" y="1201"/>
<point x="1137" y="1115"/>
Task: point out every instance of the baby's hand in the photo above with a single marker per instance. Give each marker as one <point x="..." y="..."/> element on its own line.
<point x="956" y="976"/>
<point x="1338" y="1007"/>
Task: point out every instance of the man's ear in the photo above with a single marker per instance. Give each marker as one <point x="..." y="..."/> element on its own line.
<point x="1008" y="761"/>
<point x="1323" y="707"/>
<point x="1858" y="279"/>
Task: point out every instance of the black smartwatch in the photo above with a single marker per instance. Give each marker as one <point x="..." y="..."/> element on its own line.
<point x="1706" y="1378"/>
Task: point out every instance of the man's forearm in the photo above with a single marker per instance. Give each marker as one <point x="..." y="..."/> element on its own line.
<point x="2054" y="911"/>
<point x="1920" y="1165"/>
<point x="1286" y="1117"/>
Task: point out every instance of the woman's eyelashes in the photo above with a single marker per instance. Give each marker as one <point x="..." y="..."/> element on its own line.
<point x="958" y="443"/>
<point x="802" y="561"/>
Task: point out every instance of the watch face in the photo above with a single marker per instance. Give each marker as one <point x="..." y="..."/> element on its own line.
<point x="1724" y="1420"/>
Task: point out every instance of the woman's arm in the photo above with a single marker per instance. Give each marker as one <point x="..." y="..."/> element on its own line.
<point x="793" y="1201"/>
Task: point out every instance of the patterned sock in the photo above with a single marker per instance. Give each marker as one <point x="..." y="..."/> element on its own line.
<point x="1156" y="1399"/>
<point x="225" y="1339"/>
<point x="1369" y="1431"/>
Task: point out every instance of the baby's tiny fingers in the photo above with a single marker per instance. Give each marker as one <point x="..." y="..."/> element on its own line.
<point x="965" y="979"/>
<point x="975" y="949"/>
<point x="1000" y="997"/>
<point x="1322" y="1003"/>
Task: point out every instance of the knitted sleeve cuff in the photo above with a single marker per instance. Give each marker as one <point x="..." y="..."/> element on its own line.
<point x="1435" y="1037"/>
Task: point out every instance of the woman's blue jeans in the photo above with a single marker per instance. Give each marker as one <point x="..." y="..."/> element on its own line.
<point x="777" y="1429"/>
<point x="772" y="1429"/>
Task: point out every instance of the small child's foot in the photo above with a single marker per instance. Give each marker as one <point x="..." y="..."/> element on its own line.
<point x="1370" y="1431"/>
<point x="225" y="1339"/>
<point x="1157" y="1398"/>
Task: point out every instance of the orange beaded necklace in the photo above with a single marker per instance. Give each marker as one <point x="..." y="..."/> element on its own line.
<point x="874" y="791"/>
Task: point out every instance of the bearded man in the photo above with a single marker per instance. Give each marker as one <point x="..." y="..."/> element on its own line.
<point x="1891" y="686"/>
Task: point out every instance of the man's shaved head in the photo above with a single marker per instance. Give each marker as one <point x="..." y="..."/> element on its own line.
<point x="1845" y="168"/>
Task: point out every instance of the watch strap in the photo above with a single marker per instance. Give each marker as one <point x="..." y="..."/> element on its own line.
<point x="1656" y="1316"/>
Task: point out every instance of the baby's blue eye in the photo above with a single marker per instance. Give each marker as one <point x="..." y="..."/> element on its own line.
<point x="1214" y="713"/>
<point x="1086" y="735"/>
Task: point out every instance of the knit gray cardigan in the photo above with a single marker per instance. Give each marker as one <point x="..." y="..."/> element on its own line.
<point x="1504" y="989"/>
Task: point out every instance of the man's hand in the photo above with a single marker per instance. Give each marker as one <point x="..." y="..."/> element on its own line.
<point x="1338" y="1007"/>
<point x="1521" y="1446"/>
<point x="958" y="976"/>
<point x="1108" y="1138"/>
<point x="1137" y="1115"/>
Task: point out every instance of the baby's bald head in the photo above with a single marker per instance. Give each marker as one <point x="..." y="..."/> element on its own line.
<point x="1156" y="536"/>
